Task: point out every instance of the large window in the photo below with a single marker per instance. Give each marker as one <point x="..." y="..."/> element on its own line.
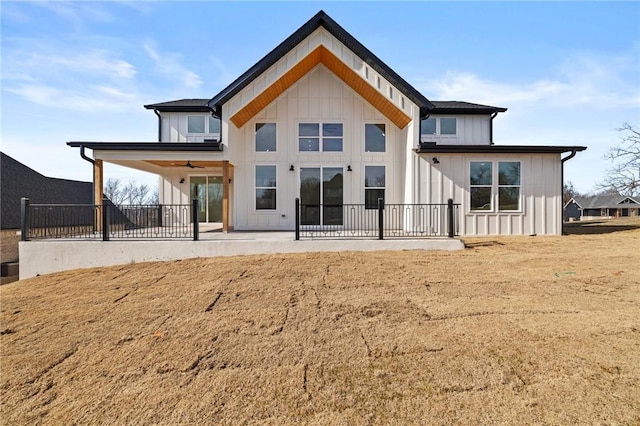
<point x="439" y="126"/>
<point x="266" y="187"/>
<point x="374" y="185"/>
<point x="374" y="138"/>
<point x="482" y="185"/>
<point x="196" y="124"/>
<point x="508" y="185"/>
<point x="265" y="137"/>
<point x="316" y="137"/>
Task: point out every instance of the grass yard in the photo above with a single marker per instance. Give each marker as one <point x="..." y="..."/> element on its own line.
<point x="515" y="330"/>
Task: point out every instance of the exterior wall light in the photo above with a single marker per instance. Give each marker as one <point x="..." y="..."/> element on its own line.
<point x="435" y="160"/>
<point x="349" y="168"/>
<point x="181" y="180"/>
<point x="291" y="168"/>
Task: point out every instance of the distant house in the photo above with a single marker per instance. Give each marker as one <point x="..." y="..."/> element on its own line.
<point x="601" y="206"/>
<point x="322" y="119"/>
<point x="17" y="181"/>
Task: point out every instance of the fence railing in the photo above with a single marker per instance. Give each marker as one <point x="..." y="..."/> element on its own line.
<point x="108" y="221"/>
<point x="381" y="221"/>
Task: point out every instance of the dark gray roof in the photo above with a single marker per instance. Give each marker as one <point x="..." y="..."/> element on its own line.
<point x="181" y="105"/>
<point x="433" y="148"/>
<point x="148" y="146"/>
<point x="603" y="201"/>
<point x="18" y="180"/>
<point x="459" y="107"/>
<point x="321" y="19"/>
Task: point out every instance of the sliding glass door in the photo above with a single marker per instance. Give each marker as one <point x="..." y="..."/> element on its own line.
<point x="208" y="191"/>
<point x="321" y="195"/>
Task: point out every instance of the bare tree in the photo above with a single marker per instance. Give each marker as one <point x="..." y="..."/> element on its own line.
<point x="130" y="193"/>
<point x="569" y="191"/>
<point x="624" y="176"/>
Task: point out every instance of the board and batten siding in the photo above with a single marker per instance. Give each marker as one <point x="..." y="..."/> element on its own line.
<point x="317" y="97"/>
<point x="471" y="130"/>
<point x="540" y="193"/>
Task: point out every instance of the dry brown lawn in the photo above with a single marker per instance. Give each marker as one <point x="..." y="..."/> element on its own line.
<point x="521" y="330"/>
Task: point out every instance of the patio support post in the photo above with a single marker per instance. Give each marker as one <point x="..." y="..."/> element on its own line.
<point x="104" y="214"/>
<point x="97" y="192"/>
<point x="380" y="218"/>
<point x="225" y="195"/>
<point x="194" y="219"/>
<point x="450" y="218"/>
<point x="24" y="219"/>
<point x="297" y="219"/>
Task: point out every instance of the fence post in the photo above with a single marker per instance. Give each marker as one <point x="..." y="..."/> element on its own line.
<point x="160" y="215"/>
<point x="105" y="219"/>
<point x="25" y="218"/>
<point x="380" y="218"/>
<point x="297" y="219"/>
<point x="450" y="217"/>
<point x="194" y="219"/>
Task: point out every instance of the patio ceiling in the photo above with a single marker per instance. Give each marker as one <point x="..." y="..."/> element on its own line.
<point x="185" y="163"/>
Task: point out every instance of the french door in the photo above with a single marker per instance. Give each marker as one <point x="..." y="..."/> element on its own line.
<point x="208" y="191"/>
<point x="321" y="195"/>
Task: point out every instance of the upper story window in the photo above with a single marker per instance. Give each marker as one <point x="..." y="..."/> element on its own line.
<point x="439" y="126"/>
<point x="197" y="123"/>
<point x="316" y="137"/>
<point x="374" y="138"/>
<point x="265" y="137"/>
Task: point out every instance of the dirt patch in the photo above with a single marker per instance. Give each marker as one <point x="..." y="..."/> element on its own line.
<point x="511" y="330"/>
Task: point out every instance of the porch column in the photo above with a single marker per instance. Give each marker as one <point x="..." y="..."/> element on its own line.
<point x="97" y="192"/>
<point x="225" y="195"/>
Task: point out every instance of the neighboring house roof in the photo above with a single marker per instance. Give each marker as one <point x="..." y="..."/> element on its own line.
<point x="321" y="19"/>
<point x="604" y="201"/>
<point x="18" y="180"/>
<point x="433" y="148"/>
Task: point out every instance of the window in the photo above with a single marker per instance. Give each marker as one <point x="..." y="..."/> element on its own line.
<point x="378" y="82"/>
<point x="374" y="185"/>
<point x="374" y="138"/>
<point x="481" y="185"/>
<point x="508" y="185"/>
<point x="428" y="126"/>
<point x="391" y="92"/>
<point x="265" y="187"/>
<point x="440" y="126"/>
<point x="310" y="136"/>
<point x="448" y="126"/>
<point x="265" y="137"/>
<point x="366" y="73"/>
<point x="195" y="124"/>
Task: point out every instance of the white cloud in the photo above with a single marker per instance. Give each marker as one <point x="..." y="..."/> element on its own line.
<point x="170" y="65"/>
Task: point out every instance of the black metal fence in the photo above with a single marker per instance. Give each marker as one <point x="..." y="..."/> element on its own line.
<point x="383" y="221"/>
<point x="108" y="221"/>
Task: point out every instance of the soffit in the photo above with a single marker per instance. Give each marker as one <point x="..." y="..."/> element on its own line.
<point x="196" y="164"/>
<point x="321" y="55"/>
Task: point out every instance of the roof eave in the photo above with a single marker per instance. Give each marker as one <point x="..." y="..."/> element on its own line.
<point x="148" y="146"/>
<point x="432" y="148"/>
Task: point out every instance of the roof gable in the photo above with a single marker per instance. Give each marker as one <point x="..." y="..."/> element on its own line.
<point x="321" y="55"/>
<point x="321" y="19"/>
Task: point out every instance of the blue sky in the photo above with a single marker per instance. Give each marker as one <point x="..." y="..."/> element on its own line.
<point x="568" y="72"/>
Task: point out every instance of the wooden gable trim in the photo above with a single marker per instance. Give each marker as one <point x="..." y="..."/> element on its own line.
<point x="321" y="55"/>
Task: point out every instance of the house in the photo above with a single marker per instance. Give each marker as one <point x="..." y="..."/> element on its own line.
<point x="601" y="207"/>
<point x="321" y="118"/>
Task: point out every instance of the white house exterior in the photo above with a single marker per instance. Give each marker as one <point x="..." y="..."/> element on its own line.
<point x="322" y="119"/>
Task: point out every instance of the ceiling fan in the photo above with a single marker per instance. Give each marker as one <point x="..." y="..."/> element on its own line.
<point x="188" y="164"/>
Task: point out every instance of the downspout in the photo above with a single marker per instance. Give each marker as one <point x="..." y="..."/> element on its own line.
<point x="155" y="110"/>
<point x="493" y="115"/>
<point x="93" y="175"/>
<point x="562" y="160"/>
<point x="219" y="117"/>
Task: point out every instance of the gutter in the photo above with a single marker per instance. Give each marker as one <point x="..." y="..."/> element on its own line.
<point x="493" y="115"/>
<point x="562" y="161"/>
<point x="155" y="110"/>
